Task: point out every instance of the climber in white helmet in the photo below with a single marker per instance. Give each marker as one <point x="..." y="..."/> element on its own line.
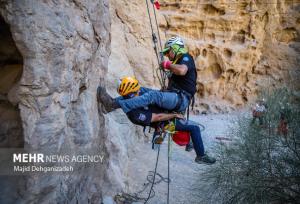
<point x="180" y="90"/>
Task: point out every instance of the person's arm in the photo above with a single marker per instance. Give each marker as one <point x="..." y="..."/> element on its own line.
<point x="157" y="117"/>
<point x="179" y="69"/>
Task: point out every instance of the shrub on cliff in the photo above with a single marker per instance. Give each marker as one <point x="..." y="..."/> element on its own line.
<point x="262" y="163"/>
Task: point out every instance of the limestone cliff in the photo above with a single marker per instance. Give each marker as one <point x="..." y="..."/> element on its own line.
<point x="239" y="47"/>
<point x="53" y="56"/>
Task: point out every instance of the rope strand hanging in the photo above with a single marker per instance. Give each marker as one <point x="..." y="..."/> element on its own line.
<point x="160" y="72"/>
<point x="154" y="38"/>
<point x="157" y="28"/>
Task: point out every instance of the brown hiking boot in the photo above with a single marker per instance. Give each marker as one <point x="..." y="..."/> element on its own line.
<point x="106" y="100"/>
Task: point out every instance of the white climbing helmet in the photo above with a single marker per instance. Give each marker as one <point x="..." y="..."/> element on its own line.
<point x="173" y="41"/>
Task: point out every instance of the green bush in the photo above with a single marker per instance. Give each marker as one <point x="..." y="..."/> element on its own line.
<point x="259" y="165"/>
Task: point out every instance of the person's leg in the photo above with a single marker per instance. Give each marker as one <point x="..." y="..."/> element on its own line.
<point x="183" y="125"/>
<point x="189" y="147"/>
<point x="184" y="104"/>
<point x="165" y="100"/>
<point x="108" y="103"/>
<point x="145" y="90"/>
<point x="193" y="128"/>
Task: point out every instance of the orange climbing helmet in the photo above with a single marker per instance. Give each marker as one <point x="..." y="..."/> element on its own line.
<point x="128" y="85"/>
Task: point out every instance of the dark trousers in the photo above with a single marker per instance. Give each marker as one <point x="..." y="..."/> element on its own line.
<point x="193" y="128"/>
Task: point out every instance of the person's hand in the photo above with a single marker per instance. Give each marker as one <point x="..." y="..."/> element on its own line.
<point x="178" y="115"/>
<point x="166" y="64"/>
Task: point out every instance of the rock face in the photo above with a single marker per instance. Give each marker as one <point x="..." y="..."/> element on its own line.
<point x="53" y="55"/>
<point x="131" y="47"/>
<point x="11" y="62"/>
<point x="64" y="48"/>
<point x="239" y="47"/>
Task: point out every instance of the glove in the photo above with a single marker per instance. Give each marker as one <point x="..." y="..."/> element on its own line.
<point x="157" y="5"/>
<point x="166" y="64"/>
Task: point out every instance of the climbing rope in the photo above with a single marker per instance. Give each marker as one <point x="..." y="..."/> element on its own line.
<point x="154" y="38"/>
<point x="202" y="127"/>
<point x="151" y="180"/>
<point x="157" y="28"/>
<point x="160" y="72"/>
<point x="162" y="76"/>
<point x="169" y="143"/>
<point x="154" y="174"/>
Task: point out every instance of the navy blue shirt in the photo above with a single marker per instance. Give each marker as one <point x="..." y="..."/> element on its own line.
<point x="142" y="116"/>
<point x="189" y="80"/>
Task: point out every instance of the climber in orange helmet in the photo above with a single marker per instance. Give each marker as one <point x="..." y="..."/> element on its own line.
<point x="150" y="115"/>
<point x="180" y="91"/>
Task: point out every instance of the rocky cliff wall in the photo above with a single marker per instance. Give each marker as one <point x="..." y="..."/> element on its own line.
<point x="64" y="47"/>
<point x="11" y="66"/>
<point x="240" y="47"/>
<point x="59" y="51"/>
